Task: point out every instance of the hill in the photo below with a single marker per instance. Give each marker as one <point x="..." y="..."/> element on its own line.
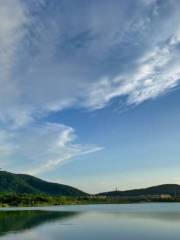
<point x="170" y="189"/>
<point x="22" y="183"/>
<point x="27" y="184"/>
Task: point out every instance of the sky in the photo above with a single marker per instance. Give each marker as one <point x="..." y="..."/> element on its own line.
<point x="90" y="91"/>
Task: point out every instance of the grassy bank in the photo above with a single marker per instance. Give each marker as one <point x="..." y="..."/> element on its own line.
<point x="45" y="200"/>
<point x="20" y="200"/>
<point x="34" y="200"/>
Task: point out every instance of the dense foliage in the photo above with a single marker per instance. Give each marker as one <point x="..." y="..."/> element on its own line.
<point x="14" y="199"/>
<point x="26" y="190"/>
<point x="22" y="183"/>
<point x="20" y="200"/>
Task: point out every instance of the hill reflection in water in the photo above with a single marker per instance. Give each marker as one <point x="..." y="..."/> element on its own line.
<point x="17" y="221"/>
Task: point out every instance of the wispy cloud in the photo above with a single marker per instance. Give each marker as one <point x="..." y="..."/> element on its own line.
<point x="85" y="61"/>
<point x="12" y="30"/>
<point x="61" y="54"/>
<point x="13" y="24"/>
<point x="155" y="73"/>
<point x="41" y="147"/>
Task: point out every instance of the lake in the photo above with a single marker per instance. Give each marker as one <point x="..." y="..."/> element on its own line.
<point x="148" y="221"/>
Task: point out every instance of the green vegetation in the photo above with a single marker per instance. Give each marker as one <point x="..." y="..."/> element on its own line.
<point x="14" y="199"/>
<point x="26" y="190"/>
<point x="26" y="184"/>
<point x="29" y="200"/>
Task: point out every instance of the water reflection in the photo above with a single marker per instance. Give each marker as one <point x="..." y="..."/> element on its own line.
<point x="120" y="222"/>
<point x="16" y="221"/>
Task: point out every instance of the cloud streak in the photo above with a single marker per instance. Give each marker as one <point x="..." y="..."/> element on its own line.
<point x="42" y="147"/>
<point x="12" y="30"/>
<point x="155" y="74"/>
<point x="85" y="61"/>
<point x="61" y="54"/>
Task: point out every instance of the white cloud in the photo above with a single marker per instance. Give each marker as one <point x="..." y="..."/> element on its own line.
<point x="51" y="63"/>
<point x="13" y="22"/>
<point x="156" y="73"/>
<point x="12" y="31"/>
<point x="41" y="147"/>
<point x="65" y="55"/>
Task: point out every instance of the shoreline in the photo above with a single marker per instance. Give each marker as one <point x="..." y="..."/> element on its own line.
<point x="5" y="205"/>
<point x="38" y="200"/>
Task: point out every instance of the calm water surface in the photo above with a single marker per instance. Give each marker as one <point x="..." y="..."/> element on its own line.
<point x="99" y="222"/>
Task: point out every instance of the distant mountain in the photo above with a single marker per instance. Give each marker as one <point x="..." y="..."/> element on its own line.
<point x="22" y="183"/>
<point x="171" y="189"/>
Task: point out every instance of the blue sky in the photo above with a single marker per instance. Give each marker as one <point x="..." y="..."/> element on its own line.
<point x="90" y="91"/>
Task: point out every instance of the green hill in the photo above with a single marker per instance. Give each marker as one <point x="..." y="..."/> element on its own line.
<point x="22" y="183"/>
<point x="171" y="189"/>
<point x="26" y="184"/>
